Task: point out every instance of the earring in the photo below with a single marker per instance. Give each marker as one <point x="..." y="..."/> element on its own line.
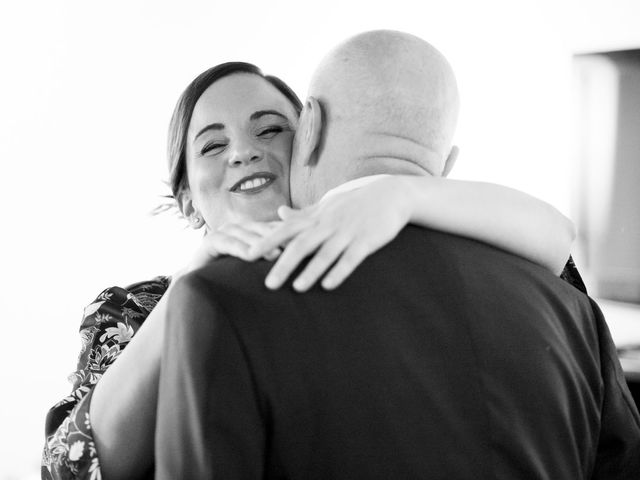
<point x="197" y="221"/>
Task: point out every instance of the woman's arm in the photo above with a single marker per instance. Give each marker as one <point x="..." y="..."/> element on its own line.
<point x="106" y="426"/>
<point x="123" y="405"/>
<point x="495" y="214"/>
<point x="349" y="226"/>
<point x="108" y="325"/>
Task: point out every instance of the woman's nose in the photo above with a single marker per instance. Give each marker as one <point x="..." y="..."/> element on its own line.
<point x="244" y="155"/>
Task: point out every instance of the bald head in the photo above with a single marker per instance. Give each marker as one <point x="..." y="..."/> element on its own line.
<point x="384" y="94"/>
<point x="392" y="81"/>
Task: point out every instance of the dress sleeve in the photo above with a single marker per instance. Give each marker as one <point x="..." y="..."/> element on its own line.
<point x="618" y="454"/>
<point x="108" y="324"/>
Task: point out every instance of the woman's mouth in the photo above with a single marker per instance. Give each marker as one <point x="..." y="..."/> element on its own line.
<point x="253" y="183"/>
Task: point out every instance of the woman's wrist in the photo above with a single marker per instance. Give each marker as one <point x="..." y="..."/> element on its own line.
<point x="415" y="198"/>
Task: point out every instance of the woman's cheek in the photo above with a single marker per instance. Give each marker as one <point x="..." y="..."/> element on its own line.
<point x="209" y="185"/>
<point x="211" y="178"/>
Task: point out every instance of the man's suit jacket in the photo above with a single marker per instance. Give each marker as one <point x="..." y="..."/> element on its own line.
<point x="439" y="358"/>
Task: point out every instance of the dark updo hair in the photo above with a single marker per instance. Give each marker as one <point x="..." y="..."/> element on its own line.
<point x="177" y="138"/>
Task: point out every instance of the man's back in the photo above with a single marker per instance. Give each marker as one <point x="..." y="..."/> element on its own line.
<point x="439" y="358"/>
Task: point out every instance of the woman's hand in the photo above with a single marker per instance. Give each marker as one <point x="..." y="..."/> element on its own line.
<point x="234" y="239"/>
<point x="342" y="230"/>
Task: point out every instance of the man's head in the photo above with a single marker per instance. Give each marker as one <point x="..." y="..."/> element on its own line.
<point x="380" y="102"/>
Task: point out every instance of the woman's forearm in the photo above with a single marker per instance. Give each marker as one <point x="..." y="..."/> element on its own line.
<point x="498" y="215"/>
<point x="123" y="406"/>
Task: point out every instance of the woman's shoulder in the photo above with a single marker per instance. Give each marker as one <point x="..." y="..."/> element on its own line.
<point x="110" y="321"/>
<point x="142" y="295"/>
<point x="159" y="283"/>
<point x="129" y="305"/>
<point x="147" y="293"/>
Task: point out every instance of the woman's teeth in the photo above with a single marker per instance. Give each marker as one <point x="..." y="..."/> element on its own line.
<point x="254" y="183"/>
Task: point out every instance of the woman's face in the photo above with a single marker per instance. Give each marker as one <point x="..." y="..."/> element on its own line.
<point x="238" y="150"/>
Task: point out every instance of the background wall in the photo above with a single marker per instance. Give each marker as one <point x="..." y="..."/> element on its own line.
<point x="85" y="97"/>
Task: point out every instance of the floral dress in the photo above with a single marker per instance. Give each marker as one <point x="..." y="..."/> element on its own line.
<point x="107" y="326"/>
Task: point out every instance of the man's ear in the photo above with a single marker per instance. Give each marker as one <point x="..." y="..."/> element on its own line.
<point x="307" y="137"/>
<point x="451" y="160"/>
<point x="188" y="209"/>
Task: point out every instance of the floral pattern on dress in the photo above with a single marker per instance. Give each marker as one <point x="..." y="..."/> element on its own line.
<point x="108" y="325"/>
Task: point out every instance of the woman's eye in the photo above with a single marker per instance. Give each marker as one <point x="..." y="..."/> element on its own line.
<point x="270" y="132"/>
<point x="214" y="147"/>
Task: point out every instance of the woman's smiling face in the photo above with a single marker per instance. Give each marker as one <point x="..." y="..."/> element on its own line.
<point x="238" y="150"/>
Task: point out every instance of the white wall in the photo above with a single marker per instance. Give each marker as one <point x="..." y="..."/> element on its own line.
<point x="85" y="96"/>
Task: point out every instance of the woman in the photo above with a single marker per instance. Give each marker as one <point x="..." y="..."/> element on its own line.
<point x="229" y="150"/>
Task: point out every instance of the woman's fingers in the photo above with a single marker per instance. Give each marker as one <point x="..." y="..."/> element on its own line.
<point x="285" y="212"/>
<point x="320" y="263"/>
<point x="224" y="244"/>
<point x="239" y="231"/>
<point x="236" y="239"/>
<point x="250" y="233"/>
<point x="350" y="259"/>
<point x="343" y="230"/>
<point x="339" y="255"/>
<point x="272" y="255"/>
<point x="297" y="250"/>
<point x="279" y="236"/>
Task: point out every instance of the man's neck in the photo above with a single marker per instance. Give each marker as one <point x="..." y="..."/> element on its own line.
<point x="347" y="157"/>
<point x="377" y="165"/>
<point x="353" y="169"/>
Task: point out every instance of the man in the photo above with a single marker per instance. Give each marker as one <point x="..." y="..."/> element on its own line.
<point x="440" y="357"/>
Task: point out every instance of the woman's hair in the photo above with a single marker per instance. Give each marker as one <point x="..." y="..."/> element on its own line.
<point x="177" y="138"/>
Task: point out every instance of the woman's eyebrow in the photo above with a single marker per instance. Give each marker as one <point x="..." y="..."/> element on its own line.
<point x="262" y="113"/>
<point x="211" y="126"/>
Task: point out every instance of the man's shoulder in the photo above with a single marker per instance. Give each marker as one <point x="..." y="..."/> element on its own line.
<point x="474" y="262"/>
<point x="447" y="252"/>
<point x="425" y="240"/>
<point x="223" y="269"/>
<point x="222" y="278"/>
